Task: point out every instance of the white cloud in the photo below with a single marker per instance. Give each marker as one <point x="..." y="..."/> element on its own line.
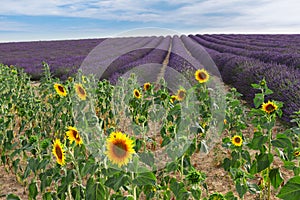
<point x="194" y="14"/>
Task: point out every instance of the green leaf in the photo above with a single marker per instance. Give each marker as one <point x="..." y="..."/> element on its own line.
<point x="94" y="190"/>
<point x="178" y="189"/>
<point x="147" y="158"/>
<point x="282" y="141"/>
<point x="230" y="196"/>
<point x="116" y="181"/>
<point x="275" y="177"/>
<point x="264" y="161"/>
<point x="291" y="190"/>
<point x="12" y="197"/>
<point x="196" y="193"/>
<point x="33" y="191"/>
<point x="257" y="142"/>
<point x="47" y="196"/>
<point x="268" y="91"/>
<point x="258" y="100"/>
<point x="142" y="179"/>
<point x="240" y="188"/>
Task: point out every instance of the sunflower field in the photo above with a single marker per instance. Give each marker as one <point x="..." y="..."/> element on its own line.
<point x="87" y="139"/>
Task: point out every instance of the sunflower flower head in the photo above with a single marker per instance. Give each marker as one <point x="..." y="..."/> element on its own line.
<point x="181" y="94"/>
<point x="60" y="90"/>
<point x="201" y="75"/>
<point x="73" y="135"/>
<point x="59" y="152"/>
<point x="297" y="153"/>
<point x="237" y="140"/>
<point x="80" y="91"/>
<point x="269" y="107"/>
<point x="137" y="94"/>
<point x="119" y="148"/>
<point x="147" y="86"/>
<point x="173" y="98"/>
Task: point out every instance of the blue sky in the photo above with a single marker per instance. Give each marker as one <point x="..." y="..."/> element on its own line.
<point x="28" y="20"/>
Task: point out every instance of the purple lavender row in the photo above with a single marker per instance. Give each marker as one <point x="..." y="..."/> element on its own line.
<point x="267" y="43"/>
<point x="292" y="60"/>
<point x="241" y="72"/>
<point x="153" y="59"/>
<point x="290" y="38"/>
<point x="247" y="46"/>
<point x="180" y="59"/>
<point x="131" y="56"/>
<point x="99" y="59"/>
<point x="200" y="53"/>
<point x="63" y="57"/>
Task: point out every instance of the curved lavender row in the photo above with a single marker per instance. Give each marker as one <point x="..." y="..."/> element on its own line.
<point x="66" y="55"/>
<point x="156" y="56"/>
<point x="292" y="60"/>
<point x="131" y="56"/>
<point x="246" y="46"/>
<point x="199" y="53"/>
<point x="291" y="38"/>
<point x="271" y="41"/>
<point x="241" y="72"/>
<point x="180" y="59"/>
<point x="109" y="50"/>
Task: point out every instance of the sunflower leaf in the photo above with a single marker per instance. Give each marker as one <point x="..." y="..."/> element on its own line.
<point x="291" y="190"/>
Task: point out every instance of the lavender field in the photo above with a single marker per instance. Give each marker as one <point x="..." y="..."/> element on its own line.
<point x="240" y="59"/>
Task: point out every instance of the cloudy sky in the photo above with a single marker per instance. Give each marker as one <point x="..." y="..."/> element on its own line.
<point x="23" y="20"/>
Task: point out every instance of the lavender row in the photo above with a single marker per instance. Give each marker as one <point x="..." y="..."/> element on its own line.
<point x="154" y="58"/>
<point x="248" y="46"/>
<point x="126" y="58"/>
<point x="241" y="72"/>
<point x="180" y="59"/>
<point x="292" y="60"/>
<point x="63" y="57"/>
<point x="289" y="39"/>
<point x="101" y="57"/>
<point x="270" y="42"/>
<point x="200" y="53"/>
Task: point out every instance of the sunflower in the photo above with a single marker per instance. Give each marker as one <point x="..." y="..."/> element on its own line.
<point x="73" y="135"/>
<point x="269" y="107"/>
<point x="297" y="153"/>
<point x="80" y="91"/>
<point x="147" y="86"/>
<point x="237" y="140"/>
<point x="181" y="94"/>
<point x="137" y="93"/>
<point x="201" y="75"/>
<point x="173" y="98"/>
<point x="119" y="148"/>
<point x="58" y="152"/>
<point x="60" y="89"/>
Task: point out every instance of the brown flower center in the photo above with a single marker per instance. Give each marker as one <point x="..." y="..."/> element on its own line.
<point x="270" y="108"/>
<point x="81" y="90"/>
<point x="202" y="76"/>
<point x="61" y="88"/>
<point x="120" y="149"/>
<point x="58" y="152"/>
<point x="147" y="86"/>
<point x="75" y="134"/>
<point x="181" y="94"/>
<point x="137" y="94"/>
<point x="237" y="140"/>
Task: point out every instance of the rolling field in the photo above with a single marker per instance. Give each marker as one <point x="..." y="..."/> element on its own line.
<point x="150" y="118"/>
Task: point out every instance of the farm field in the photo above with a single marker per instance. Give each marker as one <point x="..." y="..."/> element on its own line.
<point x="168" y="129"/>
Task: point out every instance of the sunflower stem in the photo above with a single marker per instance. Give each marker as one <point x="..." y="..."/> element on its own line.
<point x="134" y="187"/>
<point x="269" y="168"/>
<point x="181" y="165"/>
